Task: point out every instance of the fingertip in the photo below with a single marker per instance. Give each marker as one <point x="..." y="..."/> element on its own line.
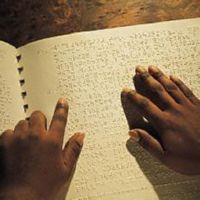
<point x="140" y="136"/>
<point x="125" y="91"/>
<point x="153" y="69"/>
<point x="156" y="72"/>
<point x="173" y="78"/>
<point x="134" y="139"/>
<point x="128" y="92"/>
<point x="140" y="69"/>
<point x="36" y="114"/>
<point x="62" y="100"/>
<point x="148" y="142"/>
<point x="62" y="103"/>
<point x="134" y="135"/>
<point x="79" y="137"/>
<point x="59" y="120"/>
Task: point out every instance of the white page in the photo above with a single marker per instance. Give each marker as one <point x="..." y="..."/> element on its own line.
<point x="90" y="69"/>
<point x="11" y="103"/>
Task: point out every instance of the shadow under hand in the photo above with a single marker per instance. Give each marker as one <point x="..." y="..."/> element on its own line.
<point x="168" y="184"/>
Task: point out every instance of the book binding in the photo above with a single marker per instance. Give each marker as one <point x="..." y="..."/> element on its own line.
<point x="22" y="82"/>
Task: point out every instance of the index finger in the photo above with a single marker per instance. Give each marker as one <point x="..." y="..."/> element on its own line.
<point x="59" y="121"/>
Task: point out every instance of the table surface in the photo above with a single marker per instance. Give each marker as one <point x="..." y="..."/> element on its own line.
<point x="24" y="21"/>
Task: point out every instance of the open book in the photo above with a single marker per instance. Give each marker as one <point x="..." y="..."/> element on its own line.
<point x="90" y="69"/>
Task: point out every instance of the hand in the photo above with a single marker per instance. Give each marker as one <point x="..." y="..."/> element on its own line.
<point x="32" y="162"/>
<point x="172" y="132"/>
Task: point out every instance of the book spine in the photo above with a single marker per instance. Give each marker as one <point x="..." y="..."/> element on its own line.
<point x="22" y="83"/>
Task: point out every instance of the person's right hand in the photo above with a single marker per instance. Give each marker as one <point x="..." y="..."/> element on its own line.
<point x="173" y="113"/>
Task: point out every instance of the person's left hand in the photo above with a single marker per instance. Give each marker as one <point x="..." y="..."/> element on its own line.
<point x="33" y="164"/>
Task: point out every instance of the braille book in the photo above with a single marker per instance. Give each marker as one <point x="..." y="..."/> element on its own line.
<point x="90" y="69"/>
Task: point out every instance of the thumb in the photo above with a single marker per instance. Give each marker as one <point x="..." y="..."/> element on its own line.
<point x="72" y="151"/>
<point x="148" y="142"/>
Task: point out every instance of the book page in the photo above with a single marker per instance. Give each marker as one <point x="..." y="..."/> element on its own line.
<point x="11" y="103"/>
<point x="90" y="69"/>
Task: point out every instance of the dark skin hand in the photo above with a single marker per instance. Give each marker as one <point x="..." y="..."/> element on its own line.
<point x="33" y="164"/>
<point x="172" y="130"/>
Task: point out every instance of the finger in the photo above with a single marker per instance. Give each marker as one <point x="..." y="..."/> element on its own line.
<point x="154" y="87"/>
<point x="72" y="151"/>
<point x="186" y="91"/>
<point x="22" y="127"/>
<point x="149" y="143"/>
<point x="168" y="84"/>
<point x="145" y="91"/>
<point x="134" y="118"/>
<point x="37" y="123"/>
<point x="59" y="121"/>
<point x="145" y="107"/>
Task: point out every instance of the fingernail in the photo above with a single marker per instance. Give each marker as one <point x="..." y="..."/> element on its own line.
<point x="173" y="78"/>
<point x="126" y="90"/>
<point x="140" y="69"/>
<point x="153" y="69"/>
<point x="134" y="135"/>
<point x="62" y="101"/>
<point x="80" y="138"/>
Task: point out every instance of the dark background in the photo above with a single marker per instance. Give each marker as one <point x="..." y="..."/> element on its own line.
<point x="22" y="21"/>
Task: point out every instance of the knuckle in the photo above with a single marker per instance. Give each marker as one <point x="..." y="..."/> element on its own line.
<point x="144" y="75"/>
<point x="157" y="88"/>
<point x="158" y="74"/>
<point x="179" y="82"/>
<point x="189" y="94"/>
<point x="38" y="113"/>
<point x="33" y="136"/>
<point x="4" y="138"/>
<point x="144" y="143"/>
<point x="144" y="102"/>
<point x="171" y="87"/>
<point x="6" y="134"/>
<point x="59" y="117"/>
<point x="53" y="144"/>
